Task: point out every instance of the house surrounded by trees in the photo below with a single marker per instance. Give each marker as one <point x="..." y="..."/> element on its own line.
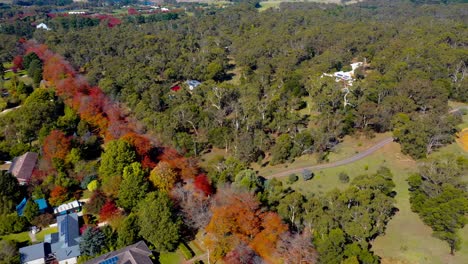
<point x="63" y="246"/>
<point x="23" y="166"/>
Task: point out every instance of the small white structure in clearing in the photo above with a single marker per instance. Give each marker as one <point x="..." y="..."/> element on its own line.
<point x="42" y="26"/>
<point x="347" y="77"/>
<point x="192" y="84"/>
<point x="164" y="9"/>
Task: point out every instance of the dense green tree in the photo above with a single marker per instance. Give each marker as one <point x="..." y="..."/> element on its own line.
<point x="282" y="149"/>
<point x="157" y="221"/>
<point x="12" y="223"/>
<point x="91" y="243"/>
<point x="31" y="210"/>
<point x="439" y="196"/>
<point x="117" y="155"/>
<point x="128" y="232"/>
<point x="9" y="185"/>
<point x="8" y="252"/>
<point x="133" y="187"/>
<point x="249" y="180"/>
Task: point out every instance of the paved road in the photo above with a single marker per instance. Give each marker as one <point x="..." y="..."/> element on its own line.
<point x="351" y="159"/>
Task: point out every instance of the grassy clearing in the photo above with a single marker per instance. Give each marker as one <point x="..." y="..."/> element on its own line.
<point x="171" y="258"/>
<point x="407" y="238"/>
<point x="349" y="147"/>
<point x="22" y="237"/>
<point x="40" y="236"/>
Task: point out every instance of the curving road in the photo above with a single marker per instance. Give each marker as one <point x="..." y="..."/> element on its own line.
<point x="351" y="159"/>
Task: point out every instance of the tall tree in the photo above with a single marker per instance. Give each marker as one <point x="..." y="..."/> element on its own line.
<point x="133" y="188"/>
<point x="91" y="242"/>
<point x="158" y="222"/>
<point x="128" y="231"/>
<point x="117" y="155"/>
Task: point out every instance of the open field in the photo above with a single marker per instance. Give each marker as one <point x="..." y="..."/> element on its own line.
<point x="264" y="5"/>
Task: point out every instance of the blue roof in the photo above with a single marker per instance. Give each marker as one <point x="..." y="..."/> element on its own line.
<point x="42" y="203"/>
<point x="20" y="207"/>
<point x="33" y="252"/>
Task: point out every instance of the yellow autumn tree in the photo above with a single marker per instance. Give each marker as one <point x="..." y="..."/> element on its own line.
<point x="163" y="177"/>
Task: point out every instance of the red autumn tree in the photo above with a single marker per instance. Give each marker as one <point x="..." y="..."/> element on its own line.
<point x="202" y="184"/>
<point x="58" y="196"/>
<point x="17" y="63"/>
<point x="108" y="211"/>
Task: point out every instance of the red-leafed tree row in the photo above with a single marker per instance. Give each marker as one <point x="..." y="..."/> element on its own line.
<point x="97" y="109"/>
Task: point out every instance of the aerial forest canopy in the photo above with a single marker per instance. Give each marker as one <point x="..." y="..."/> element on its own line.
<point x="123" y="110"/>
<point x="261" y="75"/>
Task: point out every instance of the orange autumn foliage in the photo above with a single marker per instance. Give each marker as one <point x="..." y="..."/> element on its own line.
<point x="56" y="146"/>
<point x="264" y="242"/>
<point x="58" y="195"/>
<point x="237" y="218"/>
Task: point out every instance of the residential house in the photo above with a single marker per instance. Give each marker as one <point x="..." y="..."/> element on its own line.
<point x="137" y="253"/>
<point x="62" y="247"/>
<point x="23" y="166"/>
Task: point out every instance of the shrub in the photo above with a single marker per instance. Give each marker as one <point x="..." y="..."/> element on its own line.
<point x="93" y="185"/>
<point x="84" y="183"/>
<point x="307" y="175"/>
<point x="292" y="178"/>
<point x="343" y="177"/>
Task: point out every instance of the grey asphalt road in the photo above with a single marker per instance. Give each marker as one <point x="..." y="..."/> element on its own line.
<point x="338" y="163"/>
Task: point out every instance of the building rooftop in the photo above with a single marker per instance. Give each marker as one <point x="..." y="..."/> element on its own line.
<point x="64" y="244"/>
<point x="30" y="253"/>
<point x="137" y="253"/>
<point x="68" y="206"/>
<point x="22" y="166"/>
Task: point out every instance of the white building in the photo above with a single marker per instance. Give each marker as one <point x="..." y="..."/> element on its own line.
<point x="42" y="26"/>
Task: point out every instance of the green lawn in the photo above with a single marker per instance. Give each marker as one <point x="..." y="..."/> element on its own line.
<point x="407" y="238"/>
<point x="19" y="237"/>
<point x="40" y="236"/>
<point x="171" y="258"/>
<point x="349" y="147"/>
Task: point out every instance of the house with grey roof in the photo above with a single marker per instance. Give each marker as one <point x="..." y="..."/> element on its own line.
<point x="23" y="166"/>
<point x="63" y="247"/>
<point x="137" y="253"/>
